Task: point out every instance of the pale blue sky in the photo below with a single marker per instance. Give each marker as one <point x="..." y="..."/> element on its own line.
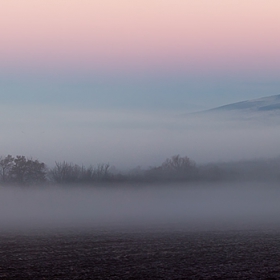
<point x="181" y="93"/>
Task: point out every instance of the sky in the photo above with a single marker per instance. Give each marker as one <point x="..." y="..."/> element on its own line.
<point x="91" y="81"/>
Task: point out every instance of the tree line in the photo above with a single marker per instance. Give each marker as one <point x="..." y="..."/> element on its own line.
<point x="20" y="170"/>
<point x="26" y="171"/>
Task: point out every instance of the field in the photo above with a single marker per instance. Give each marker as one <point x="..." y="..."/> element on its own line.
<point x="141" y="255"/>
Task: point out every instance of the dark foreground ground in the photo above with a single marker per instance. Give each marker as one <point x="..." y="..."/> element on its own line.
<point x="177" y="255"/>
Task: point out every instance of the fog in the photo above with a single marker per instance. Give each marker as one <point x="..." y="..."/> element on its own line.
<point x="224" y="206"/>
<point x="127" y="139"/>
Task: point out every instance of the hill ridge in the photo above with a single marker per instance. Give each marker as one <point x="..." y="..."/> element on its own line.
<point x="269" y="103"/>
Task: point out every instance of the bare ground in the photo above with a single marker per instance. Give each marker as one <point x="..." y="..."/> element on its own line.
<point x="122" y="255"/>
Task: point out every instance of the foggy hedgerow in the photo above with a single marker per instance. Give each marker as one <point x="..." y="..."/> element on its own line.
<point x="64" y="172"/>
<point x="20" y="170"/>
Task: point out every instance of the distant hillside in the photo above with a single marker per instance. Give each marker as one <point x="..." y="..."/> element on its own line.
<point x="270" y="103"/>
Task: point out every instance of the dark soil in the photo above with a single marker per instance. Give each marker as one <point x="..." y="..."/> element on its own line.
<point x="177" y="255"/>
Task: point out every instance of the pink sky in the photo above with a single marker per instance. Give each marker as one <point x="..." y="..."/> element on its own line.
<point x="110" y="34"/>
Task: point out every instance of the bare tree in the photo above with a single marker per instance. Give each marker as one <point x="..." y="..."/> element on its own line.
<point x="64" y="173"/>
<point x="174" y="168"/>
<point x="178" y="164"/>
<point x="102" y="171"/>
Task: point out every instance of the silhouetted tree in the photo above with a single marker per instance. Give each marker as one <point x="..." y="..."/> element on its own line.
<point x="27" y="171"/>
<point x="64" y="173"/>
<point x="175" y="168"/>
<point x="102" y="172"/>
<point x="6" y="166"/>
<point x="178" y="164"/>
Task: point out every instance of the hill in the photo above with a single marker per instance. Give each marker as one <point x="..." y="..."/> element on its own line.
<point x="265" y="104"/>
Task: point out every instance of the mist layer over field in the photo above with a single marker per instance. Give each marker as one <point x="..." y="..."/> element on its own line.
<point x="129" y="139"/>
<point x="188" y="207"/>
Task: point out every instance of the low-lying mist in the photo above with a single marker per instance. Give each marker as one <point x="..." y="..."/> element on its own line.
<point x="126" y="139"/>
<point x="231" y="206"/>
